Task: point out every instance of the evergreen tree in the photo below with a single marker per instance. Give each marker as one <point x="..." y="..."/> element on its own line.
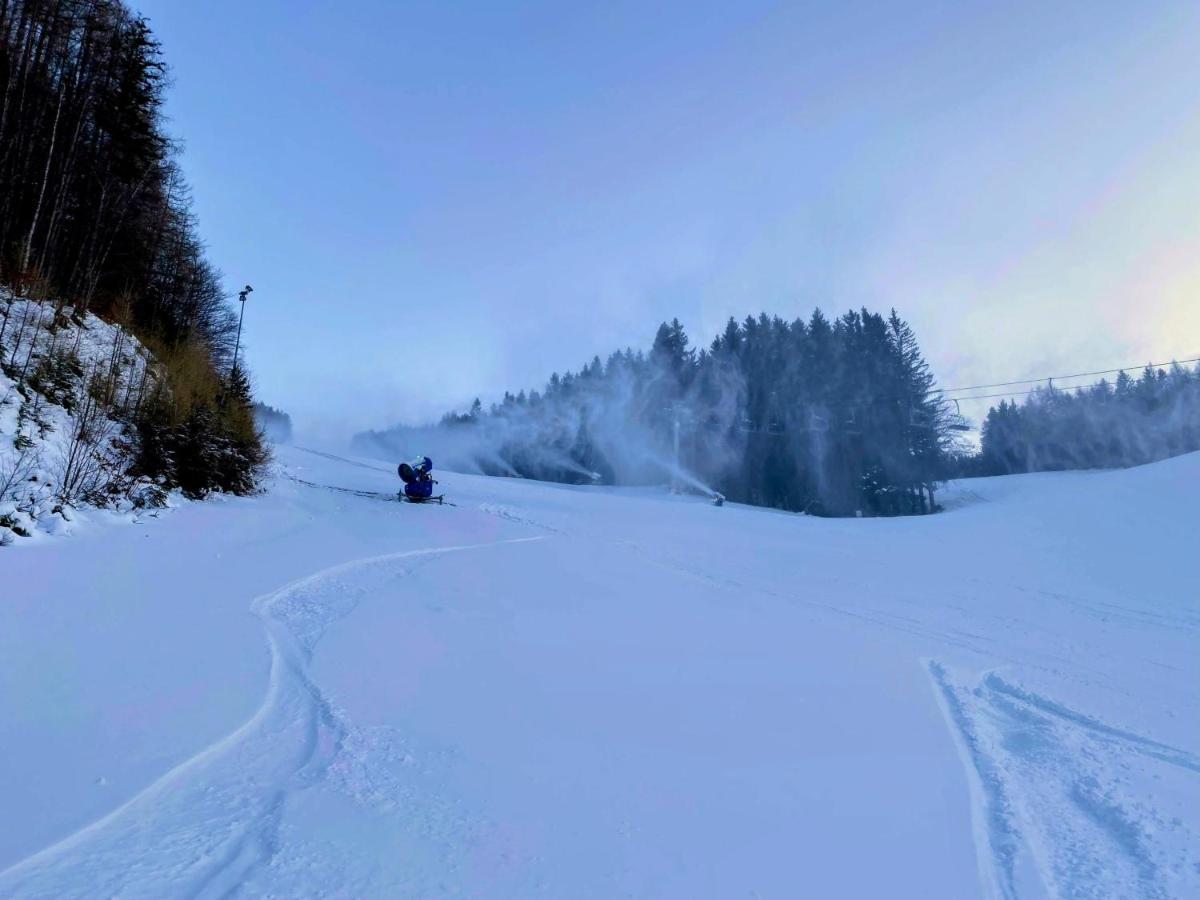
<point x="95" y="213"/>
<point x="1131" y="422"/>
<point x="835" y="418"/>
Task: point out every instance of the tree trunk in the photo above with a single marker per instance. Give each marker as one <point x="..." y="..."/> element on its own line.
<point x="37" y="210"/>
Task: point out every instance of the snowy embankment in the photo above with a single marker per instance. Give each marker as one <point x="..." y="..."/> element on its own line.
<point x="565" y="691"/>
<point x="63" y="376"/>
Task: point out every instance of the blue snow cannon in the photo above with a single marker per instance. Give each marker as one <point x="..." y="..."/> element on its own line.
<point x="418" y="482"/>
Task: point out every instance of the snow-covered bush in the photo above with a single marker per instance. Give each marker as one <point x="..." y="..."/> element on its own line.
<point x="70" y="386"/>
<point x="89" y="416"/>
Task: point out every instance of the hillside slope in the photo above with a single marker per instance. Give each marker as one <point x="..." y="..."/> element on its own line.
<point x="65" y="380"/>
<point x="559" y="691"/>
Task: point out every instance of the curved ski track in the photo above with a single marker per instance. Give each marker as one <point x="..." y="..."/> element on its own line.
<point x="1064" y="804"/>
<point x="201" y="828"/>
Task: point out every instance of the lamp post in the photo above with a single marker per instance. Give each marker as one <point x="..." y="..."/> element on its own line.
<point x="237" y="343"/>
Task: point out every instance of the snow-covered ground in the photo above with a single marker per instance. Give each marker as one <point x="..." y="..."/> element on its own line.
<point x="59" y="436"/>
<point x="578" y="692"/>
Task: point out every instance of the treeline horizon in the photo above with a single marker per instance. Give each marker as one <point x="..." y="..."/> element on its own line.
<point x="829" y="417"/>
<point x="274" y="423"/>
<point x="95" y="216"/>
<point x="833" y="418"/>
<point x="1127" y="422"/>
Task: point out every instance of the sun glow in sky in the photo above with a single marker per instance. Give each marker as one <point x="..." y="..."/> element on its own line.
<point x="438" y="201"/>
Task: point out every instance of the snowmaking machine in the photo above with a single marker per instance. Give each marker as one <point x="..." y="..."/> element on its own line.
<point x="418" y="481"/>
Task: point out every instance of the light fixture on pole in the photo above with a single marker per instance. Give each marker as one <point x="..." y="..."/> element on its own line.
<point x="237" y="343"/>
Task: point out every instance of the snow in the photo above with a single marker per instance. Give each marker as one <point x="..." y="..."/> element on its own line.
<point x="37" y="427"/>
<point x="582" y="691"/>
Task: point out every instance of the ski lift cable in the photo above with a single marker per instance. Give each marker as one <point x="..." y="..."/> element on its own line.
<point x="979" y="387"/>
<point x="870" y="400"/>
<point x="1036" y="390"/>
<point x="957" y="400"/>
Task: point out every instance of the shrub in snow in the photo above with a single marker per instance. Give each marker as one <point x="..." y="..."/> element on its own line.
<point x="89" y="417"/>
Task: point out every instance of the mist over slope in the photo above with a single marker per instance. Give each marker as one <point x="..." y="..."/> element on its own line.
<point x="836" y="418"/>
<point x="1129" y="422"/>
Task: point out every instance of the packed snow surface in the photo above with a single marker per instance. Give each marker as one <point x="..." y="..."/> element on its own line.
<point x="590" y="692"/>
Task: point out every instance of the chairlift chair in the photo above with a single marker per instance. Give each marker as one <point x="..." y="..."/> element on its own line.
<point x="959" y="422"/>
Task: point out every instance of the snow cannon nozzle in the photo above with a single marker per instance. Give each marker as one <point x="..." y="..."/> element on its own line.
<point x="418" y="482"/>
<point x="718" y="499"/>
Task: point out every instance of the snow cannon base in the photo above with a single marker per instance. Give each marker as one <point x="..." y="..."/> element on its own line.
<point x="421" y="489"/>
<point x="439" y="499"/>
<point x="718" y="499"/>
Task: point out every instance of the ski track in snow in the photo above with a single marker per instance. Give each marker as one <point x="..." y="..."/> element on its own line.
<point x="203" y="827"/>
<point x="492" y="509"/>
<point x="912" y="625"/>
<point x="1063" y="803"/>
<point x="509" y="514"/>
<point x="1055" y="810"/>
<point x="368" y="495"/>
<point x="349" y="462"/>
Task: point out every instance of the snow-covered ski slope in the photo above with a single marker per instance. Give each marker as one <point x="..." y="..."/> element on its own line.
<point x="588" y="692"/>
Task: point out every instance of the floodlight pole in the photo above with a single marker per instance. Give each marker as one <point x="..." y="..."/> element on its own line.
<point x="238" y="343"/>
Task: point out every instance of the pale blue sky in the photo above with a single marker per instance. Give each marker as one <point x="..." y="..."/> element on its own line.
<point x="438" y="200"/>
